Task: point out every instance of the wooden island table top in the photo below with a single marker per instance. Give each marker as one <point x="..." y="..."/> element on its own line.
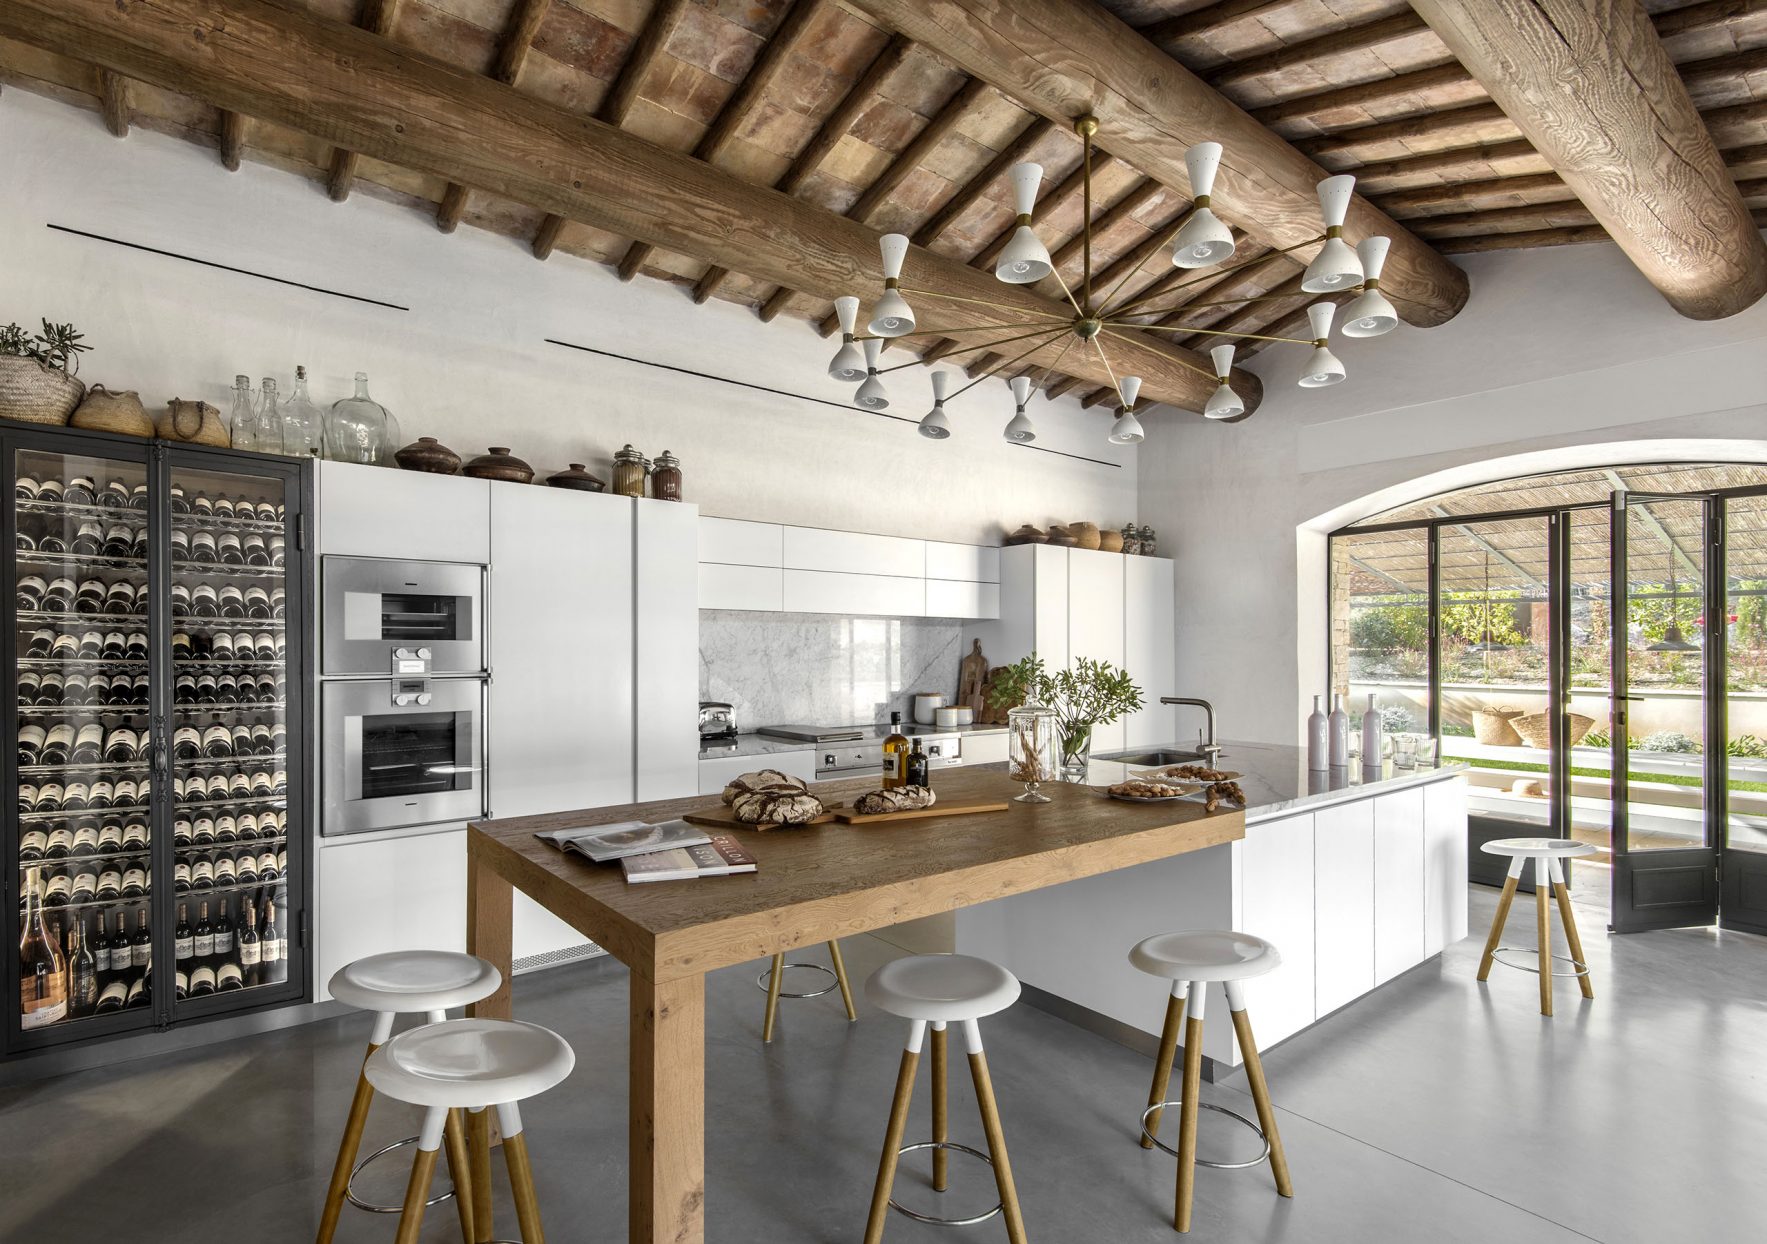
<point x="814" y="884"/>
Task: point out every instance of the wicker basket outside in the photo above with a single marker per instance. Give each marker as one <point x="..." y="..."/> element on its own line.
<point x="1491" y="726"/>
<point x="1535" y="729"/>
<point x="33" y="393"/>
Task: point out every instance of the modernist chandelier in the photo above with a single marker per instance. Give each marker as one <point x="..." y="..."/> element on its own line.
<point x="1200" y="241"/>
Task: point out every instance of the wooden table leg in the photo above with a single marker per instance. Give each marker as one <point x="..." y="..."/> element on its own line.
<point x="490" y="918"/>
<point x="667" y="1133"/>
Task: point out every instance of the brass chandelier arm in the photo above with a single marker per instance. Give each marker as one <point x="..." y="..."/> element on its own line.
<point x="985" y="302"/>
<point x="967" y="328"/>
<point x="1220" y="332"/>
<point x="1227" y="302"/>
<point x="1054" y="362"/>
<point x="1164" y="242"/>
<point x="1120" y="336"/>
<point x="989" y="345"/>
<point x="1086" y="133"/>
<point x="1079" y="311"/>
<point x="1109" y="370"/>
<point x="1213" y="273"/>
<point x="1017" y="358"/>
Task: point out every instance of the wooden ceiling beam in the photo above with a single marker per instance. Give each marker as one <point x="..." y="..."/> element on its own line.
<point x="1098" y="397"/>
<point x="1628" y="141"/>
<point x="1436" y="126"/>
<point x="1257" y="311"/>
<point x="1060" y="59"/>
<point x="113" y="102"/>
<point x="1565" y="214"/>
<point x="1170" y="30"/>
<point x="1363" y="38"/>
<point x="1363" y="94"/>
<point x="1695" y="18"/>
<point x="378" y="18"/>
<point x="971" y="191"/>
<point x="1113" y="283"/>
<point x="1406" y="204"/>
<point x="232" y="140"/>
<point x="1061" y="386"/>
<point x="1479" y="156"/>
<point x="1575" y="236"/>
<point x="622" y="95"/>
<point x="1207" y="302"/>
<point x="512" y="53"/>
<point x="833" y="128"/>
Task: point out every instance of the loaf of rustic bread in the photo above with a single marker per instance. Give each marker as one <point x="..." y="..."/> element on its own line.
<point x="776" y="806"/>
<point x="765" y="779"/>
<point x="896" y="799"/>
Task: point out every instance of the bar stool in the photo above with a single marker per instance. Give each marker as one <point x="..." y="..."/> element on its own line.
<point x="1191" y="961"/>
<point x="1548" y="873"/>
<point x="470" y="1064"/>
<point x="401" y="982"/>
<point x="940" y="990"/>
<point x="770" y="981"/>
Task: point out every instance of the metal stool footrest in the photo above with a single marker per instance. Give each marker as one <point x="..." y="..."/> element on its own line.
<point x="1203" y="1105"/>
<point x="371" y="1206"/>
<point x="1578" y="967"/>
<point x="952" y="1147"/>
<point x="833" y="981"/>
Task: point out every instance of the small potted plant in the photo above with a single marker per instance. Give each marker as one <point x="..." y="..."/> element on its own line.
<point x="1083" y="697"/>
<point x="37" y="373"/>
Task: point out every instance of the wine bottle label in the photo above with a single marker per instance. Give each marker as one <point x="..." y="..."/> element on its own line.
<point x="32" y="845"/>
<point x="183" y="946"/>
<point x="249" y="953"/>
<point x="113" y="996"/>
<point x="101" y="957"/>
<point x="270" y="949"/>
<point x="134" y="836"/>
<point x="137" y="995"/>
<point x="58" y="889"/>
<point x="135" y="879"/>
<point x="223" y="941"/>
<point x="203" y="874"/>
<point x="180" y="985"/>
<point x="205" y="945"/>
<point x="229" y="977"/>
<point x="85" y="837"/>
<point x="181" y="876"/>
<point x="202" y="980"/>
<point x="42" y="996"/>
<point x="143" y="954"/>
<point x="110" y="883"/>
<point x="61" y="840"/>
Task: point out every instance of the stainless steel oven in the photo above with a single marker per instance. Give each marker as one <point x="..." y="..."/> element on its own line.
<point x="385" y="617"/>
<point x="402" y="751"/>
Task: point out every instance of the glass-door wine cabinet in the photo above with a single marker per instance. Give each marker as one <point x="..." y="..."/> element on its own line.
<point x="155" y="845"/>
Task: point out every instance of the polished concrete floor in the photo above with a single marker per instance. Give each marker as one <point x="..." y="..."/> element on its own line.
<point x="1433" y="1110"/>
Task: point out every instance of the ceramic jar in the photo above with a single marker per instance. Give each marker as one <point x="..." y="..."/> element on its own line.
<point x="498" y="463"/>
<point x="577" y="477"/>
<point x="426" y="453"/>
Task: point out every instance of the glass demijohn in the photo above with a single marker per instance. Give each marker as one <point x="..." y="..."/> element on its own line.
<point x="359" y="429"/>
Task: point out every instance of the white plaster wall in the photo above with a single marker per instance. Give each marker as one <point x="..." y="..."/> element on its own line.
<point x="1562" y="358"/>
<point x="468" y="364"/>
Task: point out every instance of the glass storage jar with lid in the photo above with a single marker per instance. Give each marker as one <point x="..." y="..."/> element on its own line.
<point x="665" y="477"/>
<point x="629" y="472"/>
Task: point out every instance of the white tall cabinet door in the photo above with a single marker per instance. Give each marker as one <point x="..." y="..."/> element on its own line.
<point x="390" y="894"/>
<point x="1275" y="877"/>
<point x="1398" y="883"/>
<point x="370" y="511"/>
<point x="1444" y="864"/>
<point x="1049" y="606"/>
<point x="1095" y="621"/>
<point x="666" y="563"/>
<point x="1149" y="652"/>
<point x="1343" y="875"/>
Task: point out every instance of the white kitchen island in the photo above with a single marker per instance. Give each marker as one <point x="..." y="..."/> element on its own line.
<point x="1355" y="876"/>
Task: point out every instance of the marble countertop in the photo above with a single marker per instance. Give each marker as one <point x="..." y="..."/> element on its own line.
<point x="1277" y="782"/>
<point x="767" y="745"/>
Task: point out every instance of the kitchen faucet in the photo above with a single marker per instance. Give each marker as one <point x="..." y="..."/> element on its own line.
<point x="1211" y="750"/>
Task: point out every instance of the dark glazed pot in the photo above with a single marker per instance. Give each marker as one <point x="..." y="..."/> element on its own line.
<point x="499" y="463"/>
<point x="577" y="477"/>
<point x="428" y="454"/>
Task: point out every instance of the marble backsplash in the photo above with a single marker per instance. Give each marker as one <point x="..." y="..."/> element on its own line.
<point x="823" y="669"/>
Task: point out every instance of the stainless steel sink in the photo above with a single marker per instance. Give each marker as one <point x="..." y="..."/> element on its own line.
<point x="1151" y="758"/>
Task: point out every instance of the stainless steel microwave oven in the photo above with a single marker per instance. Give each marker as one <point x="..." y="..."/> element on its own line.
<point x="402" y="751"/>
<point x="384" y="617"/>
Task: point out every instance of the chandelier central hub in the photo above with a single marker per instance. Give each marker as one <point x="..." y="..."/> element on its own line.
<point x="1087" y="327"/>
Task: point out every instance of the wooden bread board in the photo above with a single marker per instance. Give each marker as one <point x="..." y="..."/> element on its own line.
<point x="725" y="818"/>
<point x="938" y="809"/>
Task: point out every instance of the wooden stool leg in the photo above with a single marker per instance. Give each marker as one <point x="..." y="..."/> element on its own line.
<point x="352" y="1141"/>
<point x="423" y="1169"/>
<point x="521" y="1174"/>
<point x="1162" y="1067"/>
<point x="1509" y="884"/>
<point x="1254" y="1072"/>
<point x="460" y="1170"/>
<point x="1543" y="923"/>
<point x="773" y="982"/>
<point x="840" y="976"/>
<point x="978" y="1071"/>
<point x="886" y="1166"/>
<point x="941" y="1119"/>
<point x="1570" y="922"/>
<point x="1192" y="1094"/>
<point x="478" y="1132"/>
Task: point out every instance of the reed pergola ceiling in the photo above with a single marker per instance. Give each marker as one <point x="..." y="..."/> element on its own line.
<point x="830" y="105"/>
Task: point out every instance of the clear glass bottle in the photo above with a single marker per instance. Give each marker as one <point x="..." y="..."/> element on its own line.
<point x="303" y="424"/>
<point x="360" y="429"/>
<point x="269" y="419"/>
<point x="242" y="432"/>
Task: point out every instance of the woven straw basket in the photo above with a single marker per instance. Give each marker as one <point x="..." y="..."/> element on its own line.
<point x="1491" y="726"/>
<point x="33" y="393"/>
<point x="1536" y="728"/>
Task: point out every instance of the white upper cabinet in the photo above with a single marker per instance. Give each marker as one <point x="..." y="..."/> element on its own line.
<point x="732" y="542"/>
<point x="948" y="598"/>
<point x="741" y="587"/>
<point x="814" y="591"/>
<point x="371" y="511"/>
<point x="854" y="552"/>
<point x="966" y="563"/>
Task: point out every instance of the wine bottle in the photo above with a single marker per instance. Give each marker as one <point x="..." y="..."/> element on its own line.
<point x="217" y="740"/>
<point x="84" y="887"/>
<point x="250" y="952"/>
<point x="229" y="976"/>
<point x="138" y="994"/>
<point x="183" y="939"/>
<point x="141" y="946"/>
<point x="895" y="754"/>
<point x="186" y="743"/>
<point x="110" y="883"/>
<point x="61" y="841"/>
<point x="114" y="994"/>
<point x="100" y="955"/>
<point x="229" y="550"/>
<point x="204" y="939"/>
<point x="31" y="845"/>
<point x="273" y="949"/>
<point x="58" y="744"/>
<point x="223" y="930"/>
<point x="202" y="980"/>
<point x="42" y="980"/>
<point x="122" y="955"/>
<point x="135" y="883"/>
<point x="88" y="745"/>
<point x="82" y="974"/>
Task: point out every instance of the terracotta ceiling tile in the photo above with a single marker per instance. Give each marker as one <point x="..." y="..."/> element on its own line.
<point x="582" y="41"/>
<point x="446" y="37"/>
<point x="757" y="16"/>
<point x="713" y="44"/>
<point x="886" y="125"/>
<point x="778" y="131"/>
<point x="922" y="84"/>
<point x="958" y="159"/>
<point x="806" y="85"/>
<point x="752" y="163"/>
<point x="828" y="192"/>
<point x="564" y="86"/>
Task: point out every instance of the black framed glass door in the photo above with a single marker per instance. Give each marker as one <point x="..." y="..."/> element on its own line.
<point x="1742" y="848"/>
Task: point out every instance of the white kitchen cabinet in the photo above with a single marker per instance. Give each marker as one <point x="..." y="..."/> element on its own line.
<point x="717" y="773"/>
<point x="735" y="542"/>
<point x="403" y="893"/>
<point x="971" y="563"/>
<point x="948" y="598"/>
<point x="1343" y="925"/>
<point x="370" y="511"/>
<point x="1149" y="653"/>
<point x="811" y="548"/>
<point x="741" y="587"/>
<point x="1049" y="622"/>
<point x="1095" y="621"/>
<point x="1398" y="883"/>
<point x="666" y="644"/>
<point x="1275" y="876"/>
<point x="985" y="749"/>
<point x="817" y="591"/>
<point x="1444" y="864"/>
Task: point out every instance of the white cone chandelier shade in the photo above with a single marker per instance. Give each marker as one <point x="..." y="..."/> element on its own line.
<point x="1223" y="403"/>
<point x="1336" y="266"/>
<point x="1369" y="313"/>
<point x="1021" y="390"/>
<point x="871" y="394"/>
<point x="1024" y="259"/>
<point x="1322" y="367"/>
<point x="1130" y="391"/>
<point x="935" y="425"/>
<point x="1020" y="428"/>
<point x="848" y="363"/>
<point x="1203" y="239"/>
<point x="1127" y="430"/>
<point x="892" y="316"/>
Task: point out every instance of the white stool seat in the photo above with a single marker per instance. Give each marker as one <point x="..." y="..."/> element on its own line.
<point x="942" y="988"/>
<point x="1538" y="848"/>
<point x="470" y="1063"/>
<point x="1205" y="955"/>
<point x="408" y="982"/>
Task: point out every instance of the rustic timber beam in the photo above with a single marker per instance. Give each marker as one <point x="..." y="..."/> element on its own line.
<point x="1438" y="126"/>
<point x="1257" y="312"/>
<point x="1099" y="397"/>
<point x="1361" y="38"/>
<point x="1203" y="304"/>
<point x="1169" y="30"/>
<point x="1371" y="176"/>
<point x="1404" y="204"/>
<point x="1013" y="153"/>
<point x="1568" y="213"/>
<point x="1526" y="240"/>
<point x="1113" y="284"/>
<point x="741" y="104"/>
<point x="1062" y="59"/>
<point x="113" y="102"/>
<point x="617" y="106"/>
<point x="1696" y="18"/>
<point x="378" y="17"/>
<point x="1061" y="386"/>
<point x="1627" y="139"/>
<point x="232" y="140"/>
<point x="394" y="103"/>
<point x="1362" y="94"/>
<point x="512" y="53"/>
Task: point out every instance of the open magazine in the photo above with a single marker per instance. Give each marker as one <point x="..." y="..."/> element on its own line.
<point x="721" y="857"/>
<point x="603" y="843"/>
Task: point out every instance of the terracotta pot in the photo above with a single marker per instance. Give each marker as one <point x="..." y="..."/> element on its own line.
<point x="499" y="463"/>
<point x="1061" y="537"/>
<point x="105" y="410"/>
<point x="33" y="393"/>
<point x="1110" y="541"/>
<point x="1028" y="535"/>
<point x="194" y="423"/>
<point x="1085" y="535"/>
<point x="429" y="454"/>
<point x="577" y="477"/>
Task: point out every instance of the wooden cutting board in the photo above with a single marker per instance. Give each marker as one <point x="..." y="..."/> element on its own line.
<point x="938" y="809"/>
<point x="722" y="817"/>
